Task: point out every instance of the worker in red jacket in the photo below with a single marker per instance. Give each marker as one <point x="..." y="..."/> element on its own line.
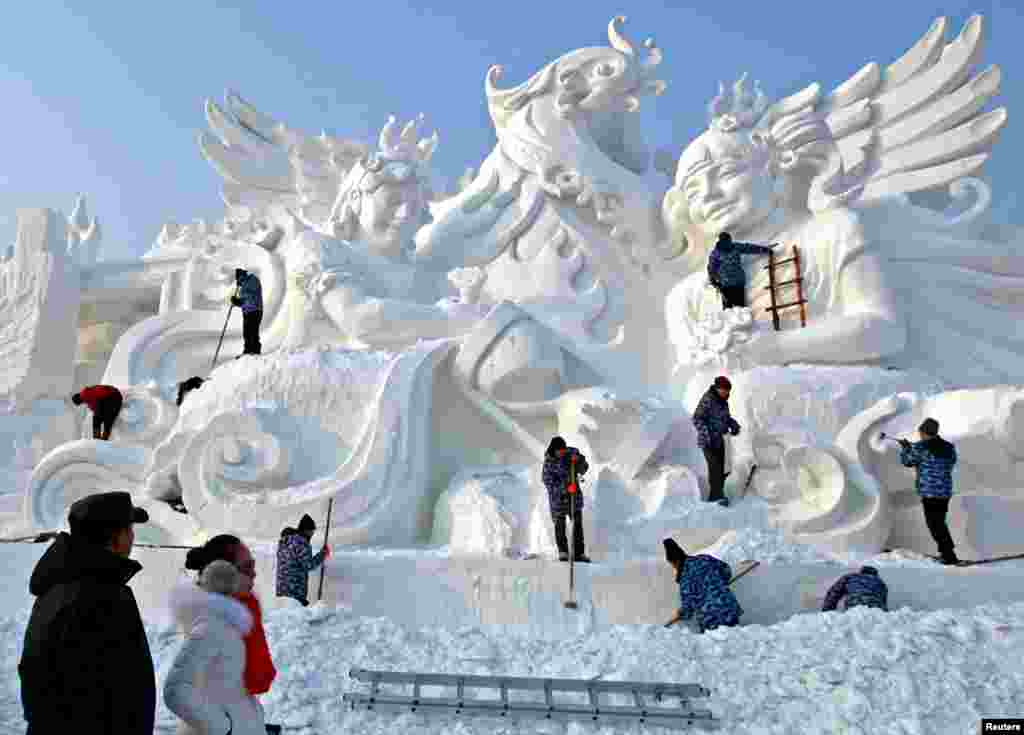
<point x="105" y="401"/>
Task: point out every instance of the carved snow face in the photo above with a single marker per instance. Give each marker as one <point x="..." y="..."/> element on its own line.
<point x="726" y="183"/>
<point x="595" y="80"/>
<point x="391" y="207"/>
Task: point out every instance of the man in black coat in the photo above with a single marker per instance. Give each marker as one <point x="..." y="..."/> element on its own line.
<point x="86" y="664"/>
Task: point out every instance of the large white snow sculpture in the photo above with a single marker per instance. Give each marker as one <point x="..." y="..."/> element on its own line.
<point x="559" y="291"/>
<point x="830" y="173"/>
<point x="578" y="241"/>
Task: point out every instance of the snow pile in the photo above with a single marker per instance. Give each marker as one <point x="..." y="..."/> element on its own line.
<point x="327" y="384"/>
<point x="863" y="672"/>
<point x="481" y="513"/>
<point x="767" y="546"/>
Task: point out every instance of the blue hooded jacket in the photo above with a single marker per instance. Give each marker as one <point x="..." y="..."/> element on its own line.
<point x="934" y="459"/>
<point x="861" y="589"/>
<point x="704" y="590"/>
<point x="250" y="292"/>
<point x="724" y="265"/>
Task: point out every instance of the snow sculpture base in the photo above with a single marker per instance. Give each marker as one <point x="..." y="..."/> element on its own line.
<point x="452" y="592"/>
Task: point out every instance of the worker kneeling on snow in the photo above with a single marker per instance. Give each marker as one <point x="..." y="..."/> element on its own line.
<point x="703" y="589"/>
<point x="861" y="589"/>
<point x="295" y="560"/>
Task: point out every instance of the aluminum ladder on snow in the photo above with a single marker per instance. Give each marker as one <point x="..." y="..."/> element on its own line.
<point x="501" y="705"/>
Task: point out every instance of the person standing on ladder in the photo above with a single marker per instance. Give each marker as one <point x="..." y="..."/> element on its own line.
<point x="249" y="297"/>
<point x="934" y="458"/>
<point x="713" y="420"/>
<point x="725" y="269"/>
<point x="564" y="467"/>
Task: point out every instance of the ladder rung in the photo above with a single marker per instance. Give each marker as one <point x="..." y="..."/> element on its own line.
<point x="785" y="306"/>
<point x="656" y="716"/>
<point x="684" y="691"/>
<point x="783" y="283"/>
<point x="777" y="263"/>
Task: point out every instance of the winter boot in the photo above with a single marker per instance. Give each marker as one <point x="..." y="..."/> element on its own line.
<point x="563" y="556"/>
<point x="583" y="559"/>
<point x="724" y="502"/>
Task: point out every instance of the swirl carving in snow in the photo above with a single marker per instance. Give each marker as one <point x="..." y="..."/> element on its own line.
<point x="75" y="470"/>
<point x="961" y="192"/>
<point x="821" y="495"/>
<point x="145" y="418"/>
<point x="248" y="466"/>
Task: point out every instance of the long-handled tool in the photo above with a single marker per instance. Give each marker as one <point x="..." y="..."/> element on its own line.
<point x="753" y="469"/>
<point x="327" y="531"/>
<point x="221" y="340"/>
<point x="752" y="565"/>
<point x="897" y="439"/>
<point x="570" y="604"/>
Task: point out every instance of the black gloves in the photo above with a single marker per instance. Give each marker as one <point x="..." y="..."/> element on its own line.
<point x="236" y="300"/>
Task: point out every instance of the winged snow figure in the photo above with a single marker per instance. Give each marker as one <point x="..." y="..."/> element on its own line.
<point x="560" y="216"/>
<point x="887" y="281"/>
<point x="263" y="162"/>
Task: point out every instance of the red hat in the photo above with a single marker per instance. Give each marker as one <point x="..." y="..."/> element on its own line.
<point x="722" y="382"/>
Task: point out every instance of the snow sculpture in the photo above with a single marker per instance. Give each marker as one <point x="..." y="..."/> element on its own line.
<point x="350" y="261"/>
<point x="831" y="174"/>
<point x="987" y="427"/>
<point x="558" y="291"/>
<point x="39" y="299"/>
<point x="560" y="216"/>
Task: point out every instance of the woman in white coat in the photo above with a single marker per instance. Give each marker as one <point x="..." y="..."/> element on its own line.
<point x="204" y="686"/>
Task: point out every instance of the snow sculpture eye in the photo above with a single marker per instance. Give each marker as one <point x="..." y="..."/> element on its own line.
<point x="605" y="70"/>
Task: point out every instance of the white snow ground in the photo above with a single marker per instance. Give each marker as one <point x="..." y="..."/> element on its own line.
<point x="860" y="672"/>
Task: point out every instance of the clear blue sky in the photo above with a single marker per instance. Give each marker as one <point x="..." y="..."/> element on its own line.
<point x="106" y="98"/>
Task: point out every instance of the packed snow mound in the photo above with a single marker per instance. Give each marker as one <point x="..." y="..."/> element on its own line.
<point x="861" y="672"/>
<point x="482" y="511"/>
<point x="336" y="386"/>
<point x="768" y="546"/>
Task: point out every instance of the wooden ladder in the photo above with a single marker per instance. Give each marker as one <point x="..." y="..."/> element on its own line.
<point x="774" y="285"/>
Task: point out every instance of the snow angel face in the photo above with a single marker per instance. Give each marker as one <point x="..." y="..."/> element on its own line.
<point x="384" y="204"/>
<point x="391" y="208"/>
<point x="725" y="183"/>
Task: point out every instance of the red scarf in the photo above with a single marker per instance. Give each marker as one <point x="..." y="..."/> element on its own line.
<point x="259" y="668"/>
